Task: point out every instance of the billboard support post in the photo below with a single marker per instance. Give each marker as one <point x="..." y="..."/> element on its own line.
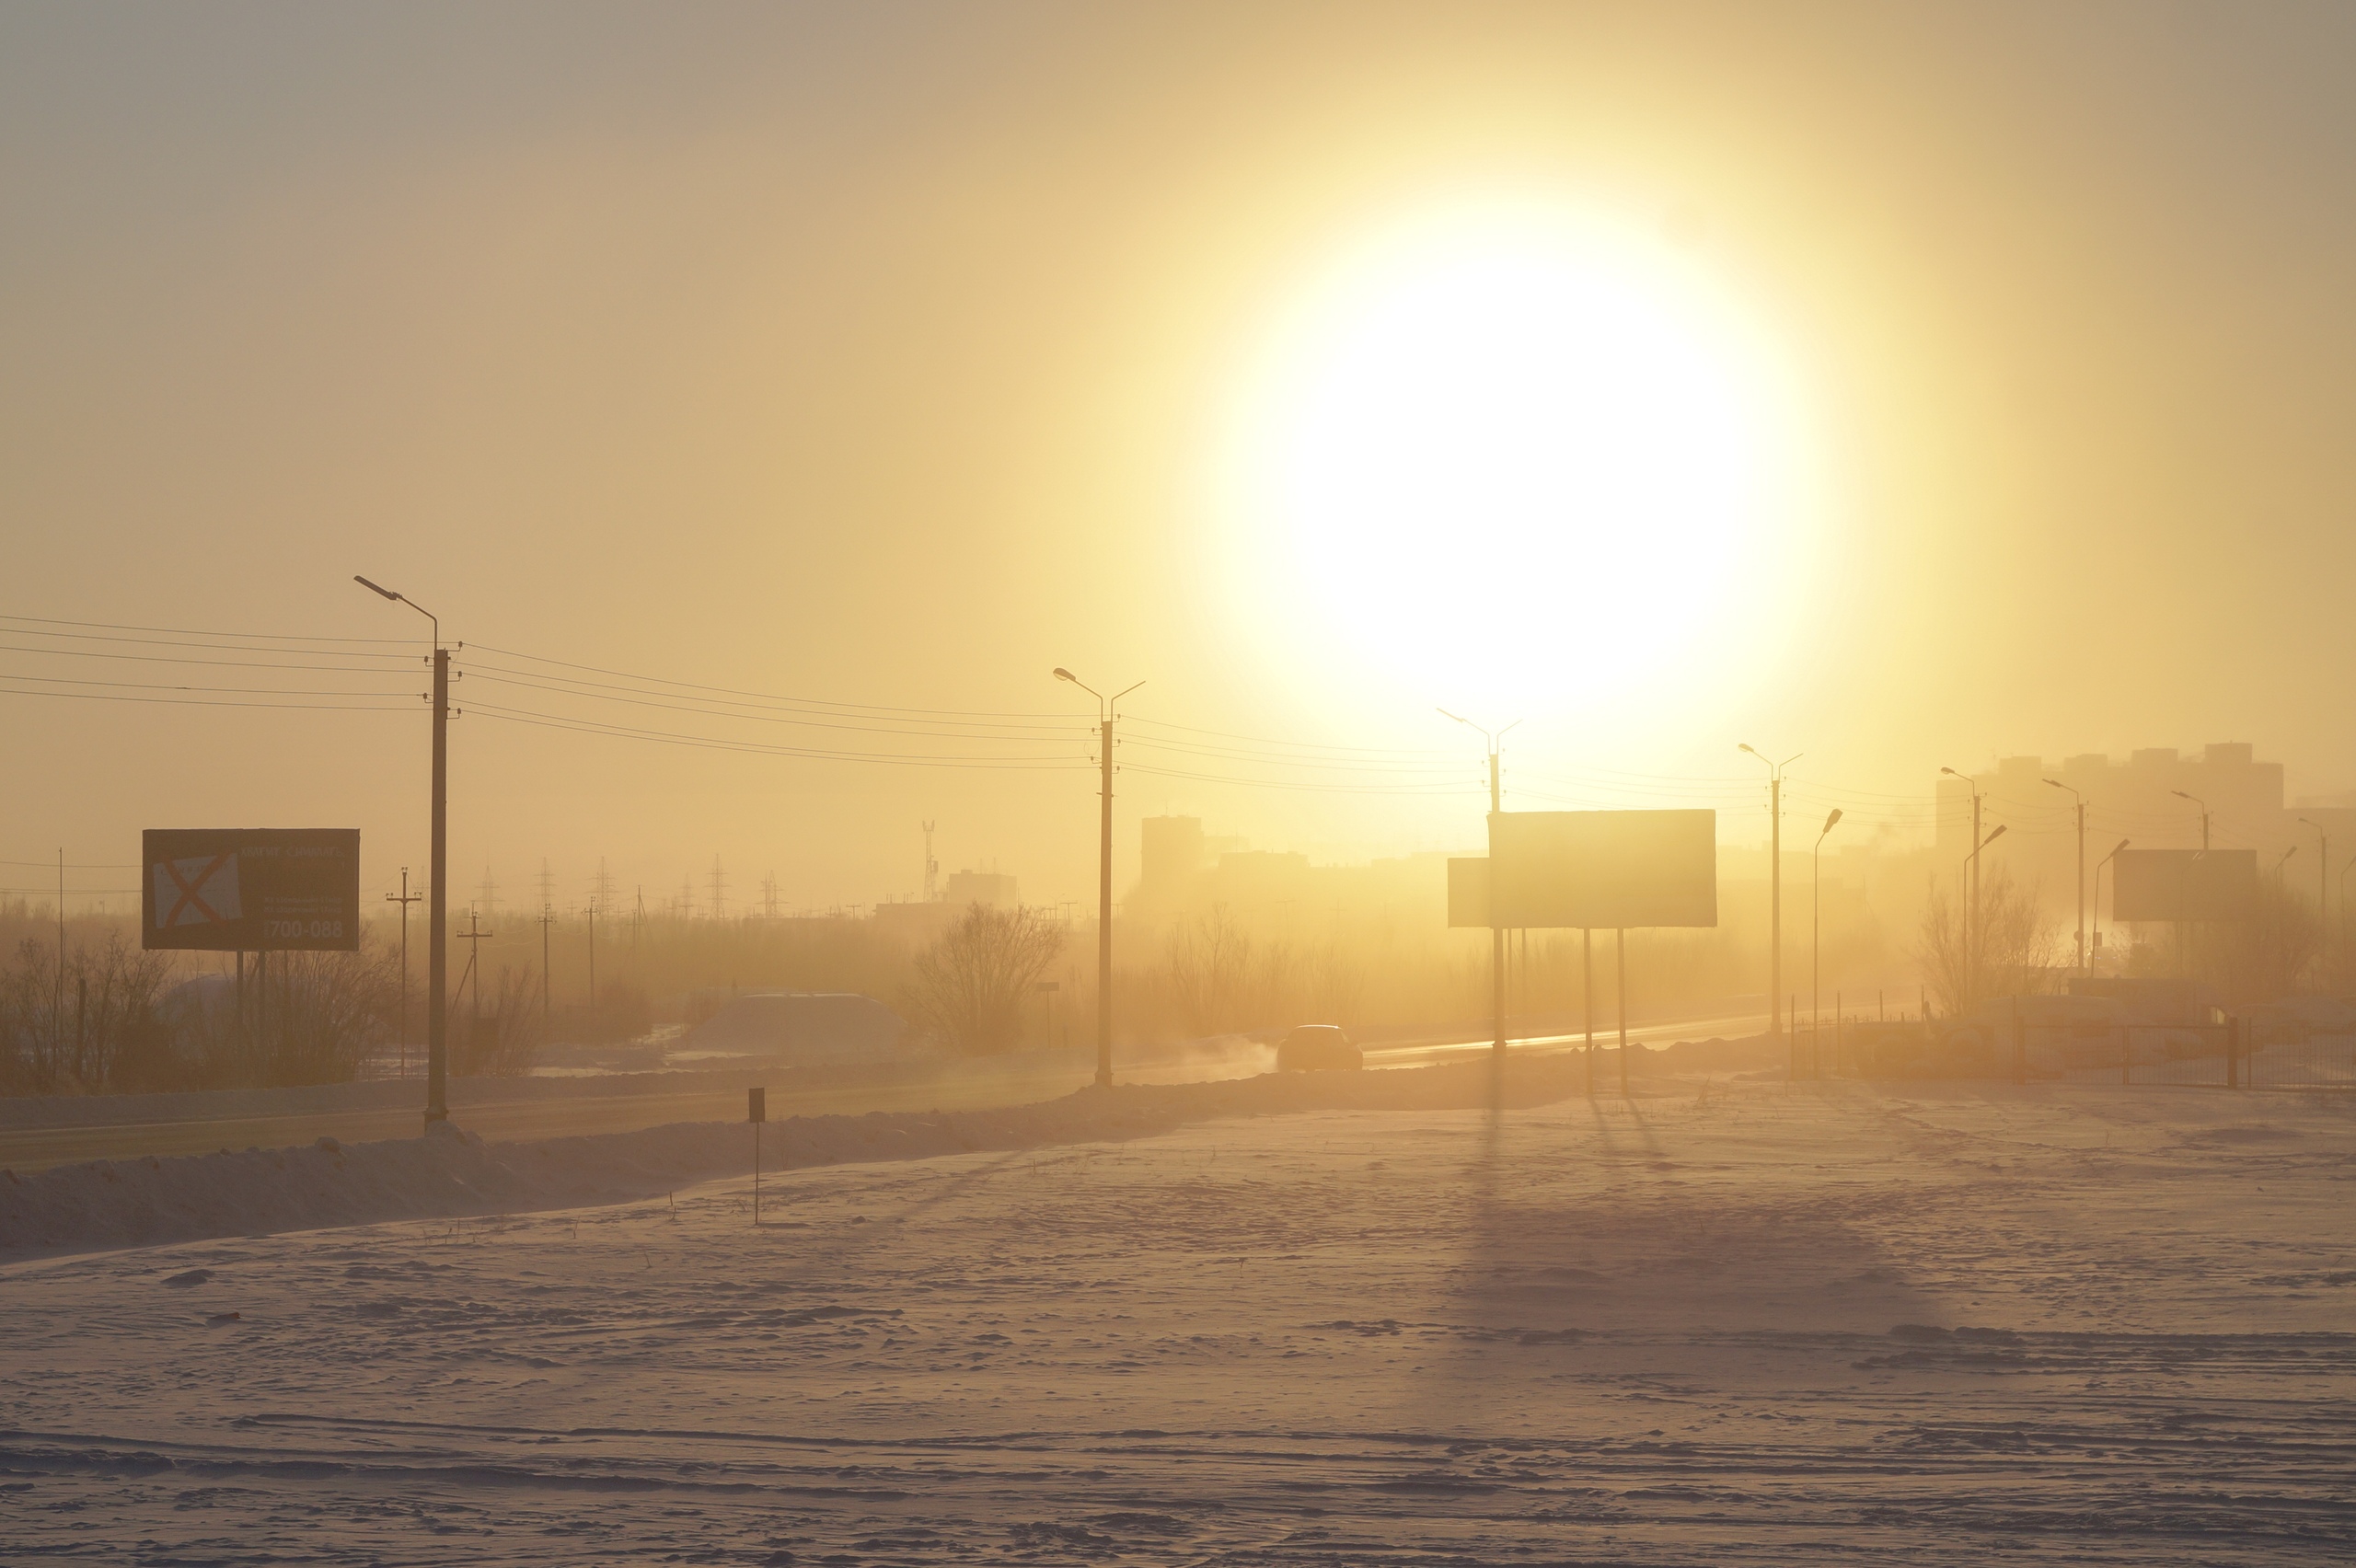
<point x="1620" y="991"/>
<point x="1586" y="998"/>
<point x="1497" y="931"/>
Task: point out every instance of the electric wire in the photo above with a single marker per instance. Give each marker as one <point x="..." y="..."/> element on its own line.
<point x="597" y="727"/>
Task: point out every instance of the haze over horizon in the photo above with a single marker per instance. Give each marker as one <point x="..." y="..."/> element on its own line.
<point x="891" y="356"/>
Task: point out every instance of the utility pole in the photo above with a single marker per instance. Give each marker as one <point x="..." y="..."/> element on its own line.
<point x="1496" y="917"/>
<point x="593" y="955"/>
<point x="1775" y="885"/>
<point x="404" y="898"/>
<point x="1105" y="716"/>
<point x="57" y="1006"/>
<point x="437" y="1011"/>
<point x="2082" y="871"/>
<point x="548" y="918"/>
<point x="931" y="868"/>
<point x="473" y="937"/>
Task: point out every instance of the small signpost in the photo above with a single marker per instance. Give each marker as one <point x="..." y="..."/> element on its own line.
<point x="757" y="1111"/>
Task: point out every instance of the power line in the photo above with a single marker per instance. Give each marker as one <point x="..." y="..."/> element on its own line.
<point x="182" y="659"/>
<point x="250" y="691"/>
<point x="771" y="696"/>
<point x="677" y="706"/>
<point x="595" y="727"/>
<point x="200" y="702"/>
<point x="191" y="632"/>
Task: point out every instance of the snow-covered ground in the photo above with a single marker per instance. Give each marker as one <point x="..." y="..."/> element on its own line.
<point x="1713" y="1324"/>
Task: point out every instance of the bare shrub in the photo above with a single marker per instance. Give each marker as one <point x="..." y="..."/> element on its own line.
<point x="2012" y="948"/>
<point x="2256" y="958"/>
<point x="973" y="985"/>
<point x="91" y="1031"/>
<point x="506" y="1040"/>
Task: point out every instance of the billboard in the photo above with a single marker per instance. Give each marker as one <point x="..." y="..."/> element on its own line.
<point x="250" y="889"/>
<point x="1599" y="871"/>
<point x="2182" y="884"/>
<point x="1468" y="891"/>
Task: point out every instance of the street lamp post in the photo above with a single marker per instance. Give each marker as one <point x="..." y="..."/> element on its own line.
<point x="1972" y="886"/>
<point x="1816" y="942"/>
<point x="1774" y="885"/>
<point x="2343" y="899"/>
<point x="2082" y="870"/>
<point x="437" y="907"/>
<point x="1971" y="953"/>
<point x="2323" y="891"/>
<point x="2204" y="815"/>
<point x="1105" y="716"/>
<point x="1497" y="930"/>
<point x="2105" y="860"/>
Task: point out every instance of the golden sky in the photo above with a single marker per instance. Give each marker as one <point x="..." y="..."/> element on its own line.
<point x="893" y="354"/>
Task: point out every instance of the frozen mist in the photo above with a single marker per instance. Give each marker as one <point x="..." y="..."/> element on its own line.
<point x="1722" y="1324"/>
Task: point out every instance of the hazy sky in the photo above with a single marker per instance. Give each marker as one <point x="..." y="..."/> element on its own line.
<point x="893" y="354"/>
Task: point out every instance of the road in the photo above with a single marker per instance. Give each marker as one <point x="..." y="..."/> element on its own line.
<point x="961" y="1088"/>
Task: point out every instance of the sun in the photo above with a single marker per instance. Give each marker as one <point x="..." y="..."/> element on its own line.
<point x="1522" y="456"/>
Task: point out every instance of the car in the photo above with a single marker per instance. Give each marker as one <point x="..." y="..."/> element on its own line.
<point x="1317" y="1047"/>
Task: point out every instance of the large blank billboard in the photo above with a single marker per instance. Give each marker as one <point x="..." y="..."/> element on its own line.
<point x="250" y="889"/>
<point x="2182" y="884"/>
<point x="1596" y="871"/>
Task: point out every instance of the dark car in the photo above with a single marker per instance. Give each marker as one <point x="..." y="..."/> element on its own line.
<point x="1317" y="1047"/>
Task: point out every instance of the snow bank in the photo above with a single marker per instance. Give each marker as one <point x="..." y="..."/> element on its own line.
<point x="127" y="1202"/>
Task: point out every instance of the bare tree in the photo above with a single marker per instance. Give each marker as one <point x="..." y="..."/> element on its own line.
<point x="105" y="1036"/>
<point x="2010" y="950"/>
<point x="2256" y="958"/>
<point x="974" y="984"/>
<point x="1210" y="972"/>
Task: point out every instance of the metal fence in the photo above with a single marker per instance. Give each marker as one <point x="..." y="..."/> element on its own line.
<point x="2230" y="1054"/>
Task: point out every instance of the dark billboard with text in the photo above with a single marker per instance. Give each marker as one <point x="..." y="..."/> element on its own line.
<point x="250" y="889"/>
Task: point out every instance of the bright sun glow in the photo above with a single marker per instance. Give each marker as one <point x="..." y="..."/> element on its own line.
<point x="1524" y="459"/>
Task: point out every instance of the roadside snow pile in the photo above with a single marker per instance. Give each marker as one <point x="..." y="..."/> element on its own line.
<point x="130" y="1202"/>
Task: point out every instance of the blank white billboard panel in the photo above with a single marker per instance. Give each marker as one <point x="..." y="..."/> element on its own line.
<point x="1600" y="870"/>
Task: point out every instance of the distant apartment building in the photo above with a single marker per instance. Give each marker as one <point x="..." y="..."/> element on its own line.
<point x="991" y="890"/>
<point x="1182" y="872"/>
<point x="2155" y="799"/>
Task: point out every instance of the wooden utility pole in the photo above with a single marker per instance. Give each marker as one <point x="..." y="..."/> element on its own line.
<point x="404" y="898"/>
<point x="1105" y="716"/>
<point x="548" y="918"/>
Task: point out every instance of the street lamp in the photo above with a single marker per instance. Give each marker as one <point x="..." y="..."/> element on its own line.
<point x="2204" y="815"/>
<point x="2323" y="888"/>
<point x="1972" y="944"/>
<point x="1816" y="943"/>
<point x="437" y="908"/>
<point x="1105" y="717"/>
<point x="2105" y="860"/>
<point x="1774" y="884"/>
<point x="1498" y="931"/>
<point x="2343" y="896"/>
<point x="2082" y="869"/>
